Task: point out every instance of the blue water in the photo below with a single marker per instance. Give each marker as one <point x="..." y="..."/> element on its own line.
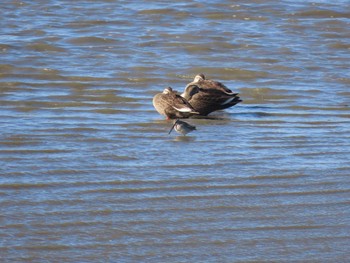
<point x="89" y="172"/>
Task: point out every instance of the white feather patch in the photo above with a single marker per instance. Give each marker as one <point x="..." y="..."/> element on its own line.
<point x="184" y="109"/>
<point x="228" y="101"/>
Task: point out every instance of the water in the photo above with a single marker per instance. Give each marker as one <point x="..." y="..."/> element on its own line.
<point x="90" y="174"/>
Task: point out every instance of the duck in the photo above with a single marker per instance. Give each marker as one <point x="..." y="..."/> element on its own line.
<point x="170" y="104"/>
<point x="182" y="127"/>
<point x="207" y="96"/>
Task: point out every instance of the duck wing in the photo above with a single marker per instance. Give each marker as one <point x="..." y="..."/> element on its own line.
<point x="181" y="104"/>
<point x="212" y="96"/>
<point x="215" y="85"/>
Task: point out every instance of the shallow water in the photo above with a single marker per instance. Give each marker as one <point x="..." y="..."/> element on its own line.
<point x="90" y="174"/>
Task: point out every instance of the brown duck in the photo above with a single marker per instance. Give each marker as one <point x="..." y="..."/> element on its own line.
<point x="172" y="105"/>
<point x="207" y="96"/>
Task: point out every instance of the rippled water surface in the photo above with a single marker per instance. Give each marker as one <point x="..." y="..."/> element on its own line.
<point x="90" y="174"/>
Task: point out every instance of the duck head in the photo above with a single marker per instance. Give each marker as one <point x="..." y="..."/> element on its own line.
<point x="167" y="90"/>
<point x="199" y="77"/>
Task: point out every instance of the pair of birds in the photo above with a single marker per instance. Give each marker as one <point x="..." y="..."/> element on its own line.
<point x="200" y="97"/>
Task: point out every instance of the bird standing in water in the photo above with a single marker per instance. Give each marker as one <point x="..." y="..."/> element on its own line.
<point x="182" y="127"/>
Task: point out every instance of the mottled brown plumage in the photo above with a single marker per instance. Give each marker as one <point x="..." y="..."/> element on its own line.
<point x="172" y="105"/>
